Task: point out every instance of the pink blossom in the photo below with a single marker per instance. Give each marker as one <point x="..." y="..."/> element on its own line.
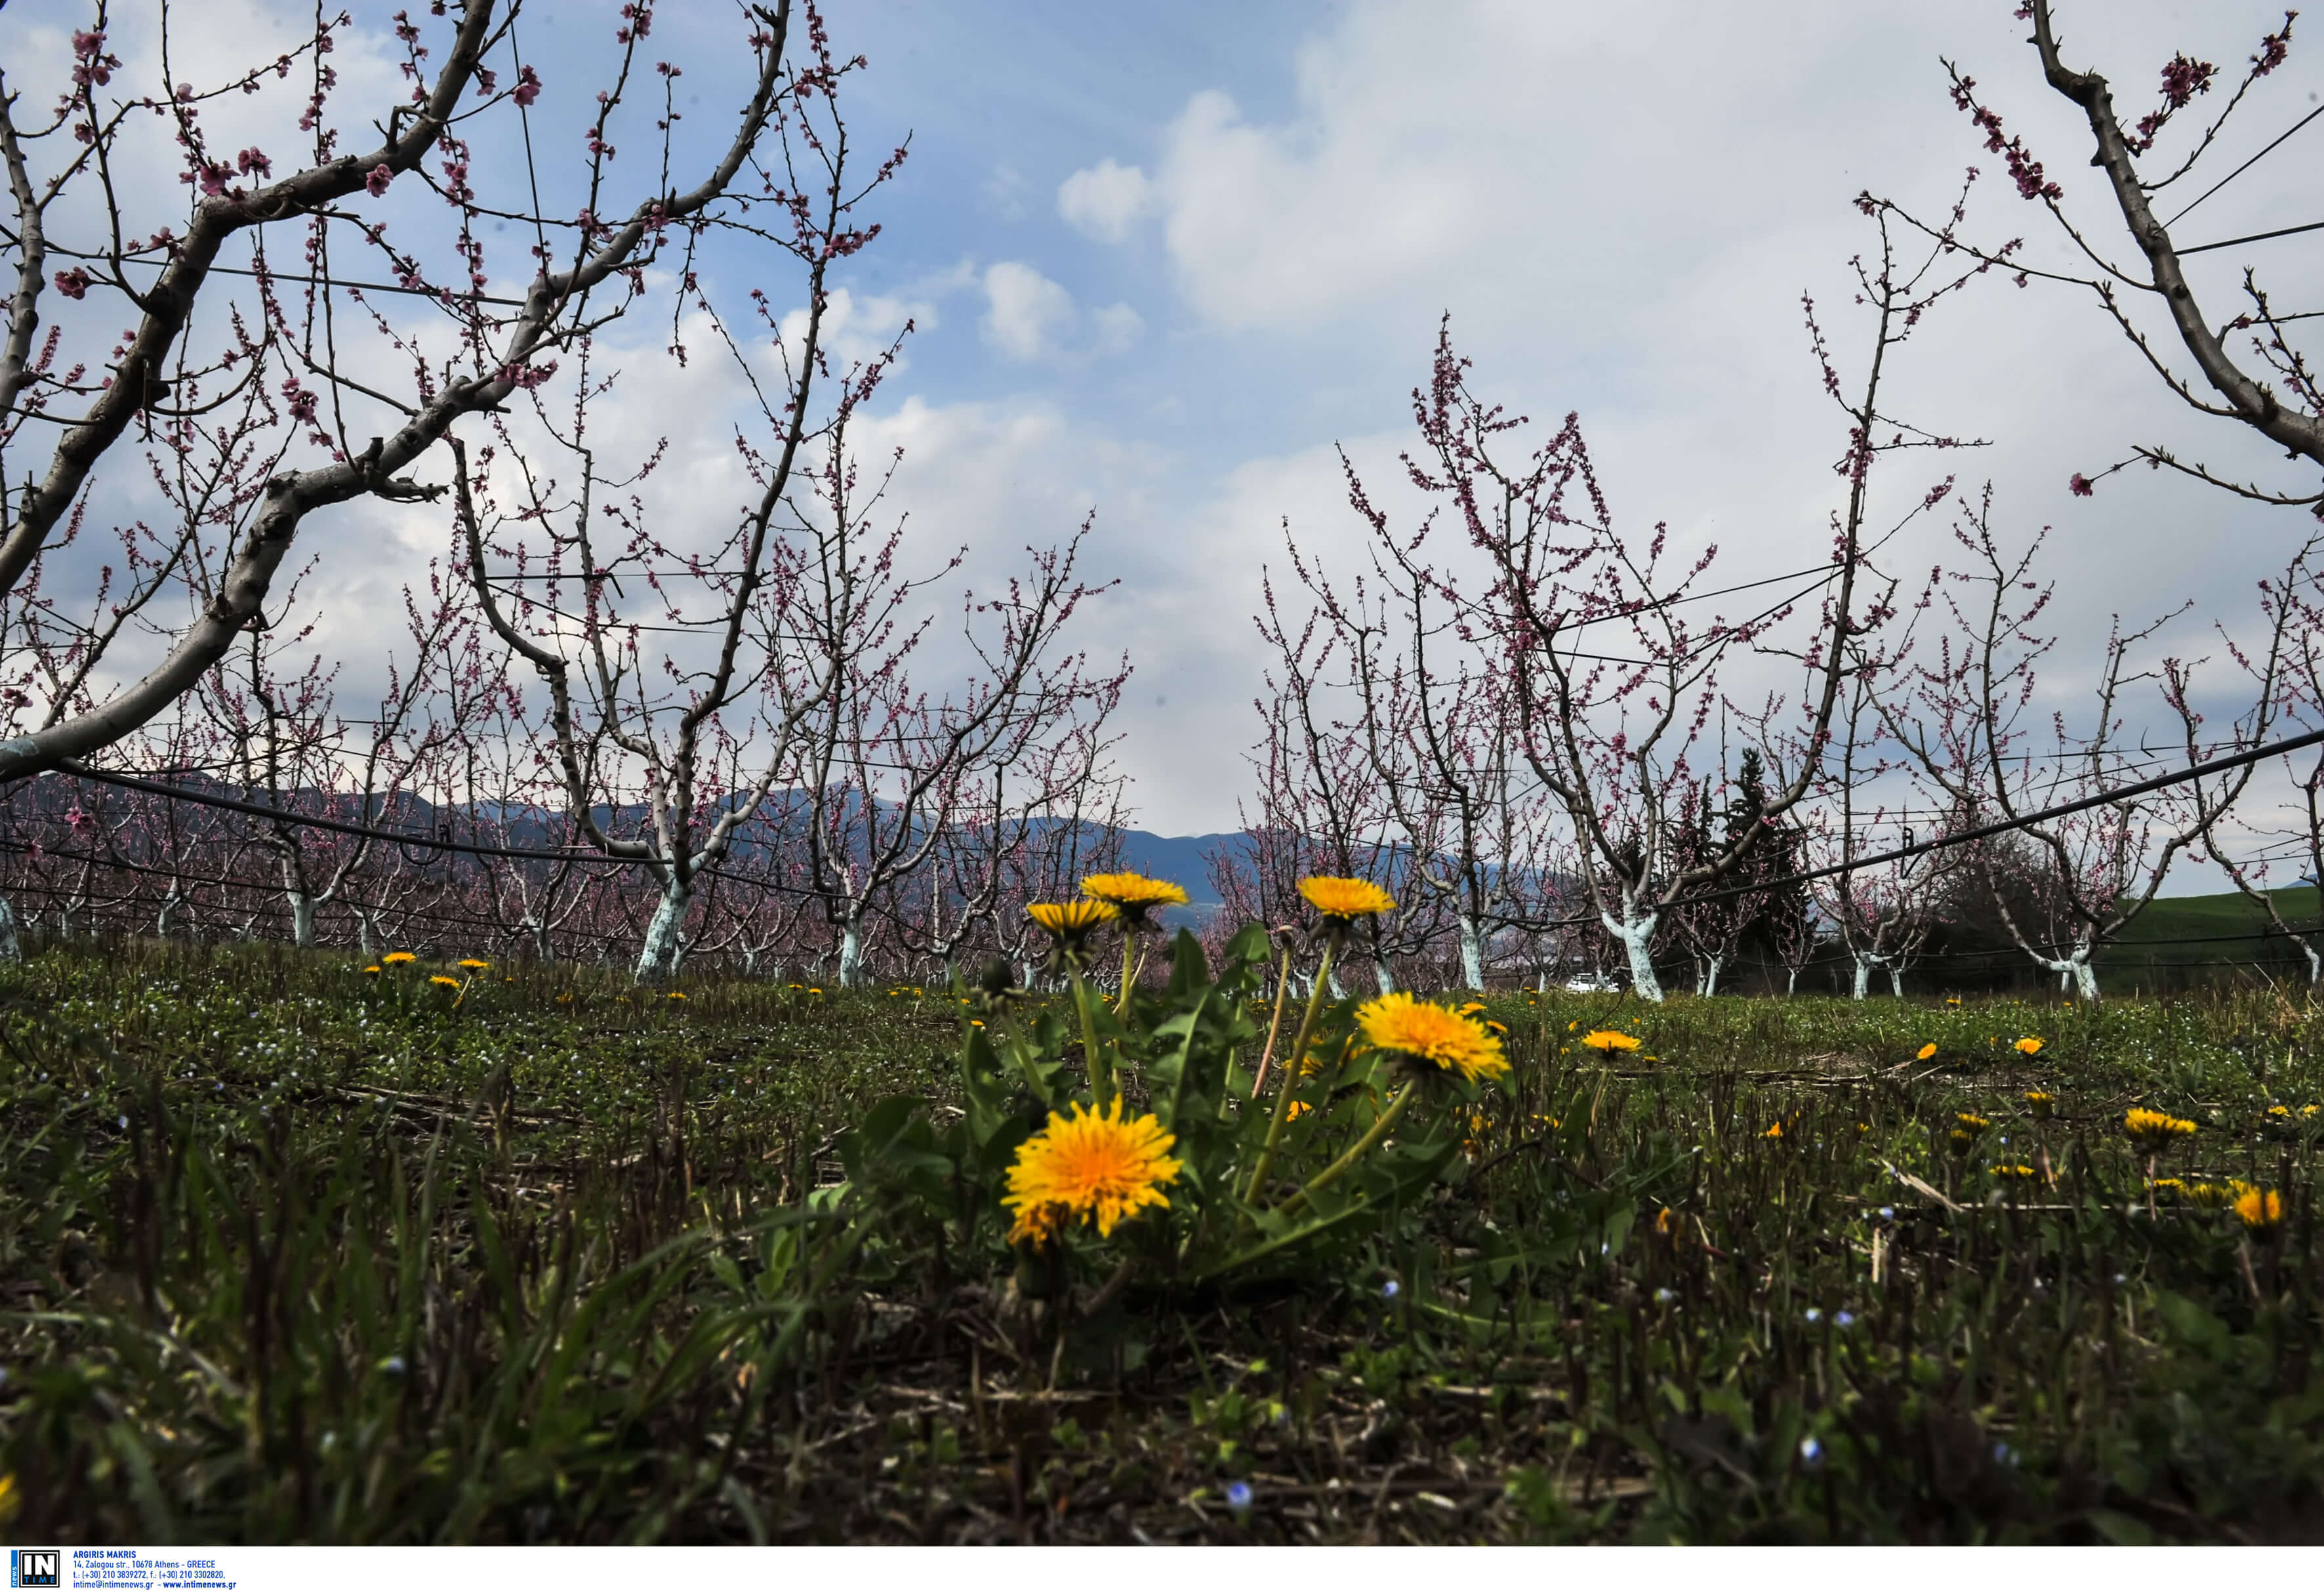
<point x="379" y="178"/>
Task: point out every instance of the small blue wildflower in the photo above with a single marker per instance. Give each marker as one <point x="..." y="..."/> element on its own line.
<point x="1664" y="1297"/>
<point x="1814" y="1315"/>
<point x="1811" y="1452"/>
<point x="1238" y="1496"/>
<point x="394" y="1365"/>
<point x="2004" y="1455"/>
<point x="1390" y="1290"/>
<point x="1888" y="1214"/>
<point x="1846" y="1319"/>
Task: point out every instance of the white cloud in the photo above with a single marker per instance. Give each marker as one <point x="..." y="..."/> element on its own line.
<point x="1102" y="201"/>
<point x="1028" y="318"/>
<point x="1119" y="328"/>
<point x="1028" y="315"/>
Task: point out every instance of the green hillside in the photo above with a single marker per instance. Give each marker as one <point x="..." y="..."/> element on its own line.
<point x="2192" y="935"/>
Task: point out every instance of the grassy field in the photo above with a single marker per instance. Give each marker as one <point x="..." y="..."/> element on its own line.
<point x="291" y="1252"/>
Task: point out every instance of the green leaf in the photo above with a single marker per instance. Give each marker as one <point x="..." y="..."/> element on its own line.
<point x="1189" y="972"/>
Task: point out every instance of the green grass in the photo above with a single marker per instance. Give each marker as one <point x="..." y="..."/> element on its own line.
<point x="292" y="1254"/>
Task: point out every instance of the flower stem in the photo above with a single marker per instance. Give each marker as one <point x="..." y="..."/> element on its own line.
<point x="1129" y="973"/>
<point x="1275" y="1025"/>
<point x="1355" y="1152"/>
<point x="1291" y="1061"/>
<point x="1102" y="1086"/>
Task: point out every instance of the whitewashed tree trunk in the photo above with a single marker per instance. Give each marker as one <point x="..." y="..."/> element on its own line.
<point x="1708" y="985"/>
<point x="2315" y="963"/>
<point x="1472" y="955"/>
<point x="657" y="957"/>
<point x="1864" y="966"/>
<point x="302" y="918"/>
<point x="2085" y="978"/>
<point x="1897" y="980"/>
<point x="851" y="952"/>
<point x="168" y="916"/>
<point x="1636" y="935"/>
<point x="1791" y="982"/>
<point x="1383" y="979"/>
<point x="11" y="950"/>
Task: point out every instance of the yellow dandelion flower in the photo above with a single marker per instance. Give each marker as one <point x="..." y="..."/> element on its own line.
<point x="1952" y="1001"/>
<point x="444" y="979"/>
<point x="2261" y="1209"/>
<point x="372" y="968"/>
<point x="2042" y="1102"/>
<point x="1090" y="1165"/>
<point x="1972" y="1122"/>
<point x="1132" y="896"/>
<point x="1297" y="1109"/>
<point x="398" y="959"/>
<point x="2014" y="1171"/>
<point x="2205" y="1194"/>
<point x="1500" y="1029"/>
<point x="2156" y="1130"/>
<point x="566" y="999"/>
<point x="1774" y="1131"/>
<point x="1414" y="1028"/>
<point x="474" y="964"/>
<point x="2030" y="1045"/>
<point x="1610" y="1040"/>
<point x="1069" y="923"/>
<point x="2278" y="1111"/>
<point x="9" y="1501"/>
<point x="678" y="995"/>
<point x="2169" y="1186"/>
<point x="1345" y="899"/>
<point x="1925" y="1052"/>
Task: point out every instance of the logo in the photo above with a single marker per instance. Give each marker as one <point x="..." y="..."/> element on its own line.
<point x="35" y="1568"/>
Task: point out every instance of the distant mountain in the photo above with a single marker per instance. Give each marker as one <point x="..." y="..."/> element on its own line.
<point x="1182" y="859"/>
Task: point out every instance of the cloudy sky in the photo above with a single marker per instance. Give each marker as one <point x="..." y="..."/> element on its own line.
<point x="1162" y="260"/>
<point x="1162" y="267"/>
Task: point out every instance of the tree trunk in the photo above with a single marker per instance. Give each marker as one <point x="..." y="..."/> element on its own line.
<point x="11" y="950"/>
<point x="1636" y="935"/>
<point x="1791" y="982"/>
<point x="1710" y="983"/>
<point x="1472" y="954"/>
<point x="1897" y="980"/>
<point x="1382" y="977"/>
<point x="2085" y="978"/>
<point x="302" y="918"/>
<point x="2308" y="947"/>
<point x="851" y="952"/>
<point x="1863" y="978"/>
<point x="657" y="957"/>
